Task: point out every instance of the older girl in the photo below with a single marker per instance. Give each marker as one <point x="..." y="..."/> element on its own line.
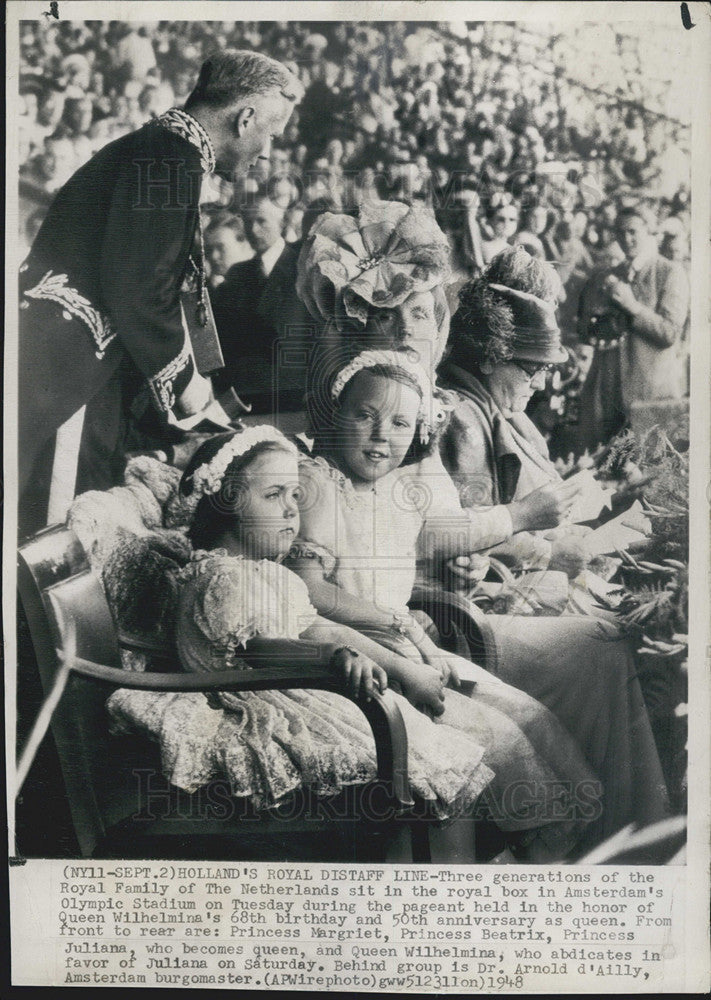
<point x="362" y="516"/>
<point x="363" y="519"/>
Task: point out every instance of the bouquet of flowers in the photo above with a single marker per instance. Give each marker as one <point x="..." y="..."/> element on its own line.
<point x="653" y="603"/>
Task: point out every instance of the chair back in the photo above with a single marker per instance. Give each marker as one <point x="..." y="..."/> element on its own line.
<point x="455" y="616"/>
<point x="53" y="554"/>
<point x="67" y="611"/>
<point x="80" y="619"/>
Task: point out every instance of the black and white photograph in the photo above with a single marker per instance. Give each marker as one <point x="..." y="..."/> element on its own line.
<point x="348" y="406"/>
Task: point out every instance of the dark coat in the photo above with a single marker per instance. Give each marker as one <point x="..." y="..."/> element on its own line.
<point x="484" y="452"/>
<point x="265" y="331"/>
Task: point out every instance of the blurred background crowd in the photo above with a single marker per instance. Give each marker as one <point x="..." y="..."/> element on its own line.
<point x="513" y="133"/>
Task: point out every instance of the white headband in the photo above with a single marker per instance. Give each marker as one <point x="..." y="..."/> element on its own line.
<point x="207" y="478"/>
<point x="431" y="411"/>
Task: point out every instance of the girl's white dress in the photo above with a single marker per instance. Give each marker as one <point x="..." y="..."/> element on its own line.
<point x="271" y="743"/>
<point x="367" y="543"/>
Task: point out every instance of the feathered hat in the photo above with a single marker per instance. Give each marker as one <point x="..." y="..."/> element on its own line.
<point x="389" y="252"/>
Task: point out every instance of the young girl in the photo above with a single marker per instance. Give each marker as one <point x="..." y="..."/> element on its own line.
<point x="362" y="518"/>
<point x="238" y="604"/>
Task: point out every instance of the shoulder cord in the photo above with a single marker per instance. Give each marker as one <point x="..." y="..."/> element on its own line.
<point x="199" y="274"/>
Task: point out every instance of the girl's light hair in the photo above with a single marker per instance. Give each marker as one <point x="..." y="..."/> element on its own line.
<point x="433" y="408"/>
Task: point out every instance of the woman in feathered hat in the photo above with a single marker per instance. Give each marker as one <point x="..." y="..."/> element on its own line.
<point x="376" y="281"/>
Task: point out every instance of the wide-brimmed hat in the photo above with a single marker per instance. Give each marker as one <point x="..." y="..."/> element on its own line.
<point x="536" y="332"/>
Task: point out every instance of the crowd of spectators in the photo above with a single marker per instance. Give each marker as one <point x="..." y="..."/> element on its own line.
<point x="482" y="121"/>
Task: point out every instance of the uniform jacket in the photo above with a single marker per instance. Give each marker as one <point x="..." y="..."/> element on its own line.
<point x="111" y="256"/>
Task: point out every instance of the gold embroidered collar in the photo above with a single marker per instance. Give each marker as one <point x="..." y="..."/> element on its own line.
<point x="183" y="124"/>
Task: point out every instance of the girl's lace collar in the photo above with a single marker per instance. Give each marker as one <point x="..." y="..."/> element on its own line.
<point x="204" y="560"/>
<point x="352" y="496"/>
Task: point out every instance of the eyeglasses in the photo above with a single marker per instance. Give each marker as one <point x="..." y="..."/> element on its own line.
<point x="531" y="370"/>
<point x="507" y="218"/>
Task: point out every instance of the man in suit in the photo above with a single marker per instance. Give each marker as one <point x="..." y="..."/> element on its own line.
<point x="265" y="330"/>
<point x="636" y="314"/>
<point x="101" y="290"/>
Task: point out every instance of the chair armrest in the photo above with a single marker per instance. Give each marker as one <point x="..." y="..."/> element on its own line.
<point x="446" y="609"/>
<point x="381" y="711"/>
<point x="141" y="644"/>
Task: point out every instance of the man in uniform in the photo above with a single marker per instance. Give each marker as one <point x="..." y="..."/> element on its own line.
<point x="100" y="292"/>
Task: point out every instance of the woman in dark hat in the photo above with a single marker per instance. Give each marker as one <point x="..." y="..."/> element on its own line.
<point x="504" y="341"/>
<point x="504" y="338"/>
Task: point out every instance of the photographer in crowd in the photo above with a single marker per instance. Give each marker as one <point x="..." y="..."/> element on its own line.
<point x="635" y="314"/>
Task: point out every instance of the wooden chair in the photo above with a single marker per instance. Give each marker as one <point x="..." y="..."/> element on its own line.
<point x="463" y="628"/>
<point x="115" y="784"/>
